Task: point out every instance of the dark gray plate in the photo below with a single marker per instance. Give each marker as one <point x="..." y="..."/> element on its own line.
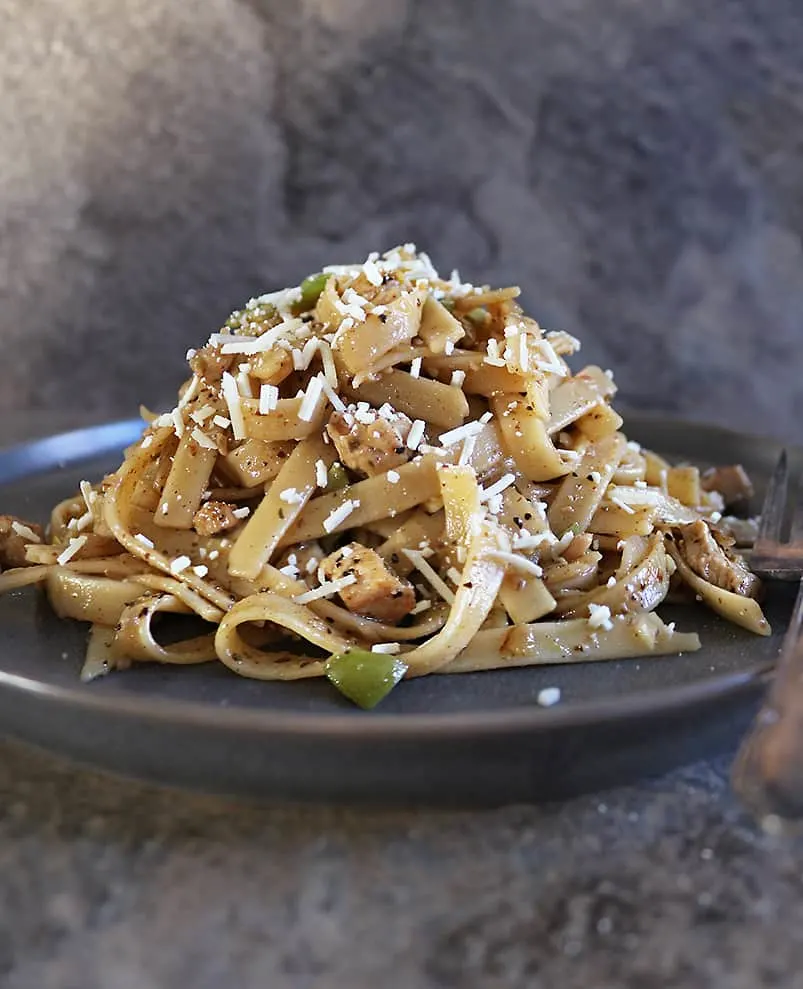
<point x="477" y="738"/>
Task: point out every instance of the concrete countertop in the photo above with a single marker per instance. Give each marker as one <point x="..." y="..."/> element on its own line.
<point x="108" y="884"/>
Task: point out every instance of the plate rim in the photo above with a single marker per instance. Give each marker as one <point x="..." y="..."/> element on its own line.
<point x="397" y="726"/>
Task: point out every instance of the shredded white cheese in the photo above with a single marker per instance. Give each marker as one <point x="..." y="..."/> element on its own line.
<point x="142" y="538"/>
<point x="549" y="696"/>
<point x="457" y="379"/>
<point x="180" y="564"/>
<point x="73" y="547"/>
<point x="268" y="398"/>
<point x="532" y="540"/>
<point x="311" y="397"/>
<point x="517" y="562"/>
<point x="600" y="616"/>
<point x="25" y="532"/>
<point x="321" y="474"/>
<point x="497" y="487"/>
<point x="202" y="439"/>
<point x="423" y="605"/>
<point x="416" y="557"/>
<point x="340" y="514"/>
<point x="388" y="648"/>
<point x="454" y="436"/>
<point x="415" y="367"/>
<point x="416" y="434"/>
<point x="291" y="496"/>
<point x="231" y="396"/>
<point x="334" y="399"/>
<point x="393" y="476"/>
<point x="326" y="589"/>
<point x="241" y="513"/>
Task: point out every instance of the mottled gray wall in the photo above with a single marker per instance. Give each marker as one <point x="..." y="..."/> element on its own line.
<point x="635" y="165"/>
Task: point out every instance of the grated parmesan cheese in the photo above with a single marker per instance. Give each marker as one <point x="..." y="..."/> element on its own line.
<point x="600" y="616"/>
<point x="326" y="589"/>
<point x="549" y="696"/>
<point x="418" y="560"/>
<point x="497" y="487"/>
<point x="387" y="648"/>
<point x="628" y="509"/>
<point x="268" y="398"/>
<point x="393" y="476"/>
<point x="25" y="532"/>
<point x="311" y="397"/>
<point x="291" y="496"/>
<point x="340" y="514"/>
<point x="231" y="396"/>
<point x="463" y="432"/>
<point x="73" y="547"/>
<point x="517" y="562"/>
<point x="416" y="434"/>
<point x="180" y="564"/>
<point x="202" y="439"/>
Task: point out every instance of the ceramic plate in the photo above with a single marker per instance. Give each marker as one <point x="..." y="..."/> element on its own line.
<point x="470" y="739"/>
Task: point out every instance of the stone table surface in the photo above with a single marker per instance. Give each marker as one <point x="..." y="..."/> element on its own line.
<point x="109" y="884"/>
<point x="112" y="884"/>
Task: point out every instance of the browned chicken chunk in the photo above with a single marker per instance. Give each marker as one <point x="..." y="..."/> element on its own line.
<point x="731" y="482"/>
<point x="15" y="535"/>
<point x="378" y="592"/>
<point x="370" y="447"/>
<point x="709" y="555"/>
<point x="214" y="517"/>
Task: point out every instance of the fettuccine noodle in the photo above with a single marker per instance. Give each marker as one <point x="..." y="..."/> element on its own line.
<point x="385" y="460"/>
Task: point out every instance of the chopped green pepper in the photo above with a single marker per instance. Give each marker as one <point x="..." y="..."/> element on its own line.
<point x="255" y="318"/>
<point x="311" y="289"/>
<point x="365" y="677"/>
<point x="478" y="317"/>
<point x="337" y="478"/>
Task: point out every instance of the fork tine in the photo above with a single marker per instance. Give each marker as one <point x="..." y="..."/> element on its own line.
<point x="772" y="512"/>
<point x="796" y="536"/>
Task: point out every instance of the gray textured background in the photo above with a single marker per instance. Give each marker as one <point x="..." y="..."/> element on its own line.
<point x="634" y="165"/>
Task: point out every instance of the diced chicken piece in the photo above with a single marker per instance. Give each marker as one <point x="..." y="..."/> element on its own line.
<point x="209" y="363"/>
<point x="370" y="448"/>
<point x="709" y="555"/>
<point x="15" y="535"/>
<point x="213" y="517"/>
<point x="731" y="482"/>
<point x="378" y="592"/>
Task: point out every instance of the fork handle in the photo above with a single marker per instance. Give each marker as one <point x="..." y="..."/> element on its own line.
<point x="768" y="771"/>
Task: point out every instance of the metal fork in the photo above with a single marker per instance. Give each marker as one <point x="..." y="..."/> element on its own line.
<point x="768" y="771"/>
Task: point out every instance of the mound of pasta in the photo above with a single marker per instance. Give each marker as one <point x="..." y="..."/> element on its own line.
<point x="384" y="473"/>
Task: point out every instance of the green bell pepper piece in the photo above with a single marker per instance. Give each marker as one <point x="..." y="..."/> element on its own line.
<point x="311" y="289"/>
<point x="365" y="677"/>
<point x="337" y="477"/>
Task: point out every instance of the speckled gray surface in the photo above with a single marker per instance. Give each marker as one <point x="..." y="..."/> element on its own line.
<point x="114" y="885"/>
<point x="636" y="167"/>
<point x="633" y="165"/>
